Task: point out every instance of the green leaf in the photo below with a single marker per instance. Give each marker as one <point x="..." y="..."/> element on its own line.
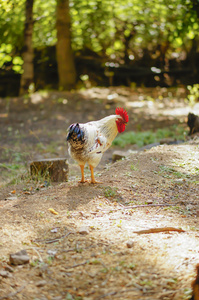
<point x="17" y="60"/>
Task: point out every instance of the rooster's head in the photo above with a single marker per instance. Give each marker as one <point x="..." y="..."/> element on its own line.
<point x="122" y="120"/>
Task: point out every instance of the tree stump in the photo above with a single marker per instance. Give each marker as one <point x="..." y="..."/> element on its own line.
<point x="55" y="169"/>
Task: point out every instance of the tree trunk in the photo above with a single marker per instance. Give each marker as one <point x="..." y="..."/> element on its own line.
<point x="65" y="60"/>
<point x="28" y="75"/>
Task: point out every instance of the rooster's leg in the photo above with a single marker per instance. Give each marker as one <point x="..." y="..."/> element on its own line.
<point x="82" y="171"/>
<point x="92" y="175"/>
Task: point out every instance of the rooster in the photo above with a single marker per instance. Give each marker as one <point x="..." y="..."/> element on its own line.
<point x="88" y="141"/>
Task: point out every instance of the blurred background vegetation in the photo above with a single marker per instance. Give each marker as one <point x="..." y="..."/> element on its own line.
<point x="107" y="42"/>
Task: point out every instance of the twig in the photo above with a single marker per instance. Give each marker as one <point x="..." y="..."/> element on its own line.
<point x="41" y="260"/>
<point x="76" y="249"/>
<point x="116" y="292"/>
<point x="50" y="241"/>
<point x="147" y="205"/>
<point x="160" y="229"/>
<point x="69" y="250"/>
<point x="130" y="207"/>
<point x="107" y="278"/>
<point x="77" y="265"/>
<point x="106" y="295"/>
<point x="12" y="294"/>
<point x="54" y="240"/>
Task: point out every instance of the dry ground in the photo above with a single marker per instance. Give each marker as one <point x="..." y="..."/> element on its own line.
<point x="66" y="263"/>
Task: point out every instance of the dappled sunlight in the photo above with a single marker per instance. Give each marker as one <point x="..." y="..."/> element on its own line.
<point x="188" y="160"/>
<point x="16" y="234"/>
<point x="154" y="189"/>
<point x="84" y="246"/>
<point x="145" y="269"/>
<point x="177" y="251"/>
<point x="37" y="98"/>
<point x="132" y="234"/>
<point x="181" y="111"/>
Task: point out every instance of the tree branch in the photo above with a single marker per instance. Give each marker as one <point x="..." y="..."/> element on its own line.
<point x="160" y="229"/>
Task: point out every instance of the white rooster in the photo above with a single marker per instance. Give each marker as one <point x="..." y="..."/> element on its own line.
<point x="88" y="141"/>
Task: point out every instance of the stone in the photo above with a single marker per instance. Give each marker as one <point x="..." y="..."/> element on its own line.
<point x="55" y="169"/>
<point x="19" y="258"/>
<point x="4" y="274"/>
<point x="117" y="155"/>
<point x="41" y="283"/>
<point x="130" y="244"/>
<point x="167" y="141"/>
<point x="52" y="252"/>
<point x="9" y="269"/>
<point x="84" y="230"/>
<point x="149" y="201"/>
<point x="11" y="198"/>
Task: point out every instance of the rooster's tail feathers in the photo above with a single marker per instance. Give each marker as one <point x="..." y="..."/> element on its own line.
<point x="75" y="133"/>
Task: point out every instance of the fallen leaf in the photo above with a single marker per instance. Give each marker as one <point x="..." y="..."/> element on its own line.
<point x="53" y="211"/>
<point x="13" y="192"/>
<point x="27" y="192"/>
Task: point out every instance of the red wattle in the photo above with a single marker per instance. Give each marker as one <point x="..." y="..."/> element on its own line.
<point x="120" y="126"/>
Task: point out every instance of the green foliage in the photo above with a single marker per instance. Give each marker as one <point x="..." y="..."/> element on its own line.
<point x="193" y="94"/>
<point x="5" y="54"/>
<point x="145" y="24"/>
<point x="7" y="58"/>
<point x="45" y="21"/>
<point x="117" y="29"/>
<point x="148" y="137"/>
<point x="17" y="64"/>
<point x="131" y="138"/>
<point x="12" y="22"/>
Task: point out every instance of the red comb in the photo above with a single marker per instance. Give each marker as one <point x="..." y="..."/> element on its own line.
<point x="123" y="113"/>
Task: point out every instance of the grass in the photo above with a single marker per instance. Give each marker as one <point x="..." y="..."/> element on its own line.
<point x="14" y="163"/>
<point x="10" y="167"/>
<point x="149" y="137"/>
<point x="167" y="171"/>
<point x="110" y="192"/>
<point x="134" y="167"/>
<point x="11" y="173"/>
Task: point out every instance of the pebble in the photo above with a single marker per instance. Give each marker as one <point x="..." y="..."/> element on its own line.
<point x="130" y="244"/>
<point x="41" y="283"/>
<point x="149" y="201"/>
<point x="11" y="198"/>
<point x="19" y="258"/>
<point x="52" y="252"/>
<point x="4" y="274"/>
<point x="117" y="155"/>
<point x="9" y="269"/>
<point x="54" y="230"/>
<point x="84" y="230"/>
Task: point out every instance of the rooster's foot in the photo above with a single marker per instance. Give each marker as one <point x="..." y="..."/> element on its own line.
<point x="83" y="181"/>
<point x="95" y="182"/>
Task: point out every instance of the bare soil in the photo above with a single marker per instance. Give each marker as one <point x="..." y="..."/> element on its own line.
<point x="81" y="252"/>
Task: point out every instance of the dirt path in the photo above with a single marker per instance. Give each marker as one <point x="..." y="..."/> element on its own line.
<point x="90" y="249"/>
<point x="97" y="264"/>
